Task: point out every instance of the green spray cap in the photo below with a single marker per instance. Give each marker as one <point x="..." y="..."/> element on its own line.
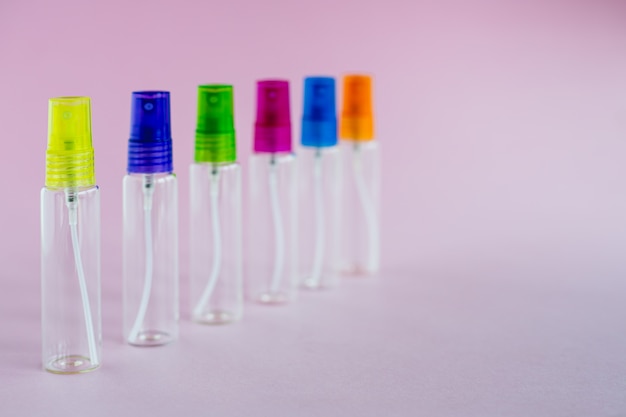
<point x="215" y="130"/>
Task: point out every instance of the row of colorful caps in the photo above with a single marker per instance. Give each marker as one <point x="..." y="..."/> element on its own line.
<point x="70" y="154"/>
<point x="319" y="119"/>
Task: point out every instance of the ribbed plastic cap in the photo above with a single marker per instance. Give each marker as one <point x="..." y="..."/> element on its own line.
<point x="272" y="130"/>
<point x="357" y="118"/>
<point x="215" y="127"/>
<point x="319" y="118"/>
<point x="150" y="143"/>
<point x="69" y="157"/>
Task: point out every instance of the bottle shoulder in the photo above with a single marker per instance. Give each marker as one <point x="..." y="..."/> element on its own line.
<point x="93" y="189"/>
<point x="364" y="146"/>
<point x="222" y="166"/>
<point x="323" y="150"/>
<point x="278" y="158"/>
<point x="156" y="178"/>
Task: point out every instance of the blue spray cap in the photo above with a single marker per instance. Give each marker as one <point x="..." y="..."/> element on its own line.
<point x="150" y="143"/>
<point x="319" y="118"/>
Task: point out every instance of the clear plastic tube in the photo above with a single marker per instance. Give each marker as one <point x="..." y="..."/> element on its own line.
<point x="320" y="180"/>
<point x="150" y="259"/>
<point x="70" y="238"/>
<point x="369" y="210"/>
<point x="72" y="206"/>
<point x="361" y="239"/>
<point x="273" y="228"/>
<point x="320" y="223"/>
<point x="279" y="229"/>
<point x="148" y="191"/>
<point x="216" y="244"/>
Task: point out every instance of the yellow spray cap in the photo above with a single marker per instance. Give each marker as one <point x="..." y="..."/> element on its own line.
<point x="357" y="119"/>
<point x="69" y="157"/>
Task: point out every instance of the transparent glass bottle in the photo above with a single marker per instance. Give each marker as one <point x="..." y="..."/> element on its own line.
<point x="150" y="224"/>
<point x="272" y="231"/>
<point x="150" y="259"/>
<point x="272" y="228"/>
<point x="361" y="208"/>
<point x="361" y="202"/>
<point x="216" y="269"/>
<point x="319" y="166"/>
<point x="70" y="269"/>
<point x="319" y="213"/>
<point x="216" y="247"/>
<point x="70" y="243"/>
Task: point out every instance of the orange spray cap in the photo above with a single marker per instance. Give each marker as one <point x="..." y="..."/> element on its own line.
<point x="357" y="118"/>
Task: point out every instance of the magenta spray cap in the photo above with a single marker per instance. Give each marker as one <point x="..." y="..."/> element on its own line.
<point x="272" y="130"/>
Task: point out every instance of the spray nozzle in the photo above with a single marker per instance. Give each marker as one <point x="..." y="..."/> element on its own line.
<point x="357" y="120"/>
<point x="272" y="130"/>
<point x="215" y="130"/>
<point x="150" y="143"/>
<point x="69" y="156"/>
<point x="319" y="119"/>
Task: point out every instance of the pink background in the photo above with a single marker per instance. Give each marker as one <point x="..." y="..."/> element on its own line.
<point x="504" y="131"/>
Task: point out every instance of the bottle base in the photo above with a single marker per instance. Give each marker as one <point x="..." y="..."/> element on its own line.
<point x="273" y="298"/>
<point x="148" y="338"/>
<point x="216" y="317"/>
<point x="71" y="364"/>
<point x="318" y="284"/>
<point x="357" y="271"/>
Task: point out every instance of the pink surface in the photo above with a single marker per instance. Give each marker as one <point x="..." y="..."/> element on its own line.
<point x="503" y="126"/>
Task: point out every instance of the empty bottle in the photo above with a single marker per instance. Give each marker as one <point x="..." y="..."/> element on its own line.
<point x="361" y="193"/>
<point x="272" y="231"/>
<point x="150" y="225"/>
<point x="70" y="242"/>
<point x="216" y="269"/>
